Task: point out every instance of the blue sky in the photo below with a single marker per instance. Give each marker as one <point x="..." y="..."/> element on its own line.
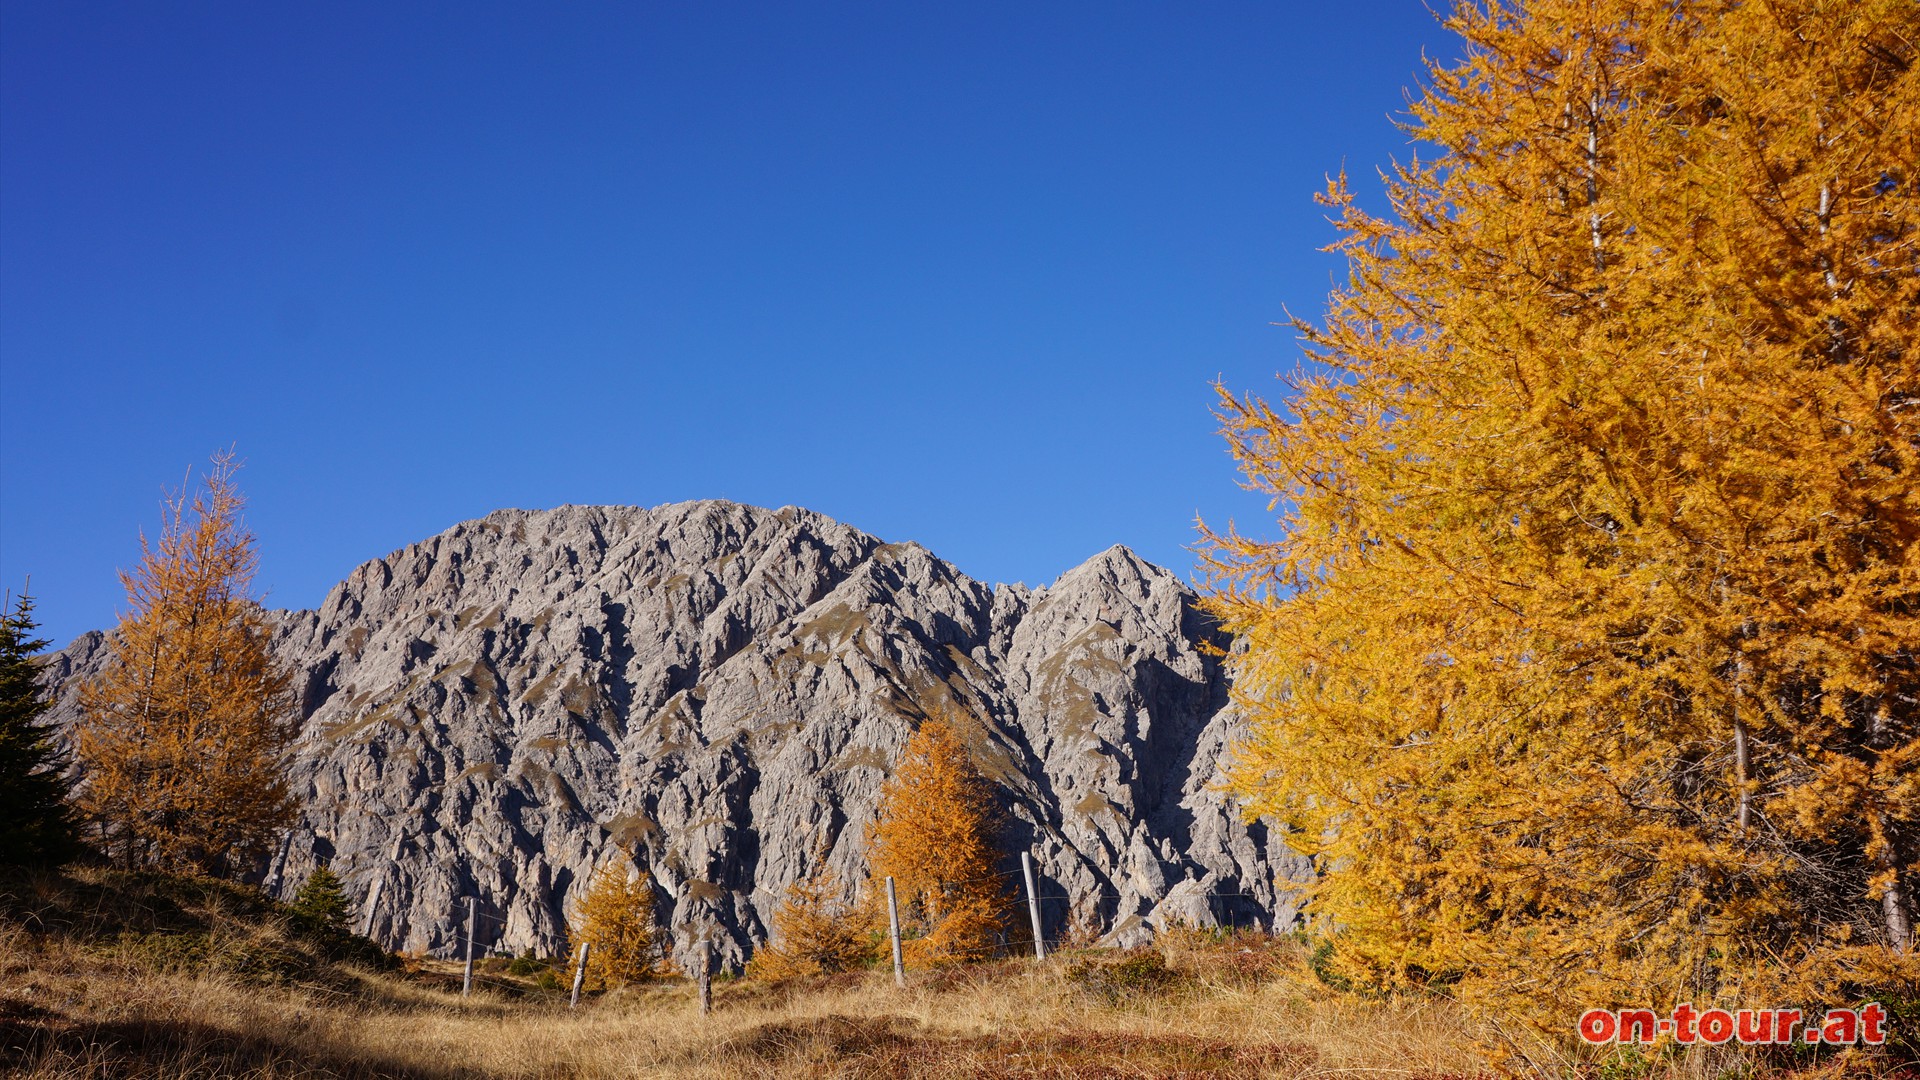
<point x="959" y="274"/>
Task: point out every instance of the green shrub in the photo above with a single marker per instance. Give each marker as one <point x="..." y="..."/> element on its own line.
<point x="321" y="902"/>
<point x="525" y="963"/>
<point x="262" y="959"/>
<point x="1320" y="962"/>
<point x="164" y="950"/>
<point x="1137" y="974"/>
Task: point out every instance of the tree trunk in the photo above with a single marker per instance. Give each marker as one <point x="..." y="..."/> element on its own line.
<point x="1896" y="904"/>
<point x="1740" y="767"/>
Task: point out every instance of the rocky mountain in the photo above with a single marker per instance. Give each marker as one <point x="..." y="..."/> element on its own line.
<point x="717" y="691"/>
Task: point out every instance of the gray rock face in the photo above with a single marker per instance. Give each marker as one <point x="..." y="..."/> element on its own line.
<point x="718" y="691"/>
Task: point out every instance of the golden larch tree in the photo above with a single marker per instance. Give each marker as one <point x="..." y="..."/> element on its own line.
<point x="815" y="931"/>
<point x="936" y="835"/>
<point x="183" y="736"/>
<point x="1585" y="665"/>
<point x="615" y="920"/>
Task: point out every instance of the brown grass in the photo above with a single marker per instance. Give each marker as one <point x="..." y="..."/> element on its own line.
<point x="76" y="1001"/>
<point x="69" y="1015"/>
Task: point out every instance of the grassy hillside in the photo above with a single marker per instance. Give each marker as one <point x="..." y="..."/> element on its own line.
<point x="120" y="975"/>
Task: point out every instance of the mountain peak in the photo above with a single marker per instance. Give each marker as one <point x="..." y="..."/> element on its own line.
<point x="706" y="686"/>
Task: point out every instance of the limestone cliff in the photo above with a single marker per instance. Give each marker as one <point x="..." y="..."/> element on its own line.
<point x="714" y="687"/>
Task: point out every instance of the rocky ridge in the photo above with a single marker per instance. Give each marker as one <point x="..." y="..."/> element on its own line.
<point x="717" y="690"/>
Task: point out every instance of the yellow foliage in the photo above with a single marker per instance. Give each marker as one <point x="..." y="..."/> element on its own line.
<point x="815" y="932"/>
<point x="183" y="735"/>
<point x="615" y="920"/>
<point x="935" y="836"/>
<point x="1586" y="666"/>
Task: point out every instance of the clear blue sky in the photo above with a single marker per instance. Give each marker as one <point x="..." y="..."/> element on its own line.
<point x="960" y="274"/>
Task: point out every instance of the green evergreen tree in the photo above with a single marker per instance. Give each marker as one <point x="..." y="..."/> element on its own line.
<point x="322" y="901"/>
<point x="36" y="827"/>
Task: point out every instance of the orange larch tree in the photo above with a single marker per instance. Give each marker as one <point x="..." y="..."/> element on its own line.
<point x="615" y="920"/>
<point x="936" y="835"/>
<point x="183" y="736"/>
<point x="815" y="931"/>
<point x="1586" y="664"/>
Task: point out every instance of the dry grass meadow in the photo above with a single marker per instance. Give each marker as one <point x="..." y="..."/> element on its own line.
<point x="108" y="975"/>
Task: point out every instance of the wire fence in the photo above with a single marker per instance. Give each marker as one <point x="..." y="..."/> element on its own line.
<point x="1227" y="911"/>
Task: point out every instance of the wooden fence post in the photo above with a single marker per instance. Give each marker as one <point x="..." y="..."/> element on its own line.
<point x="1033" y="907"/>
<point x="706" y="976"/>
<point x="579" y="975"/>
<point x="893" y="931"/>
